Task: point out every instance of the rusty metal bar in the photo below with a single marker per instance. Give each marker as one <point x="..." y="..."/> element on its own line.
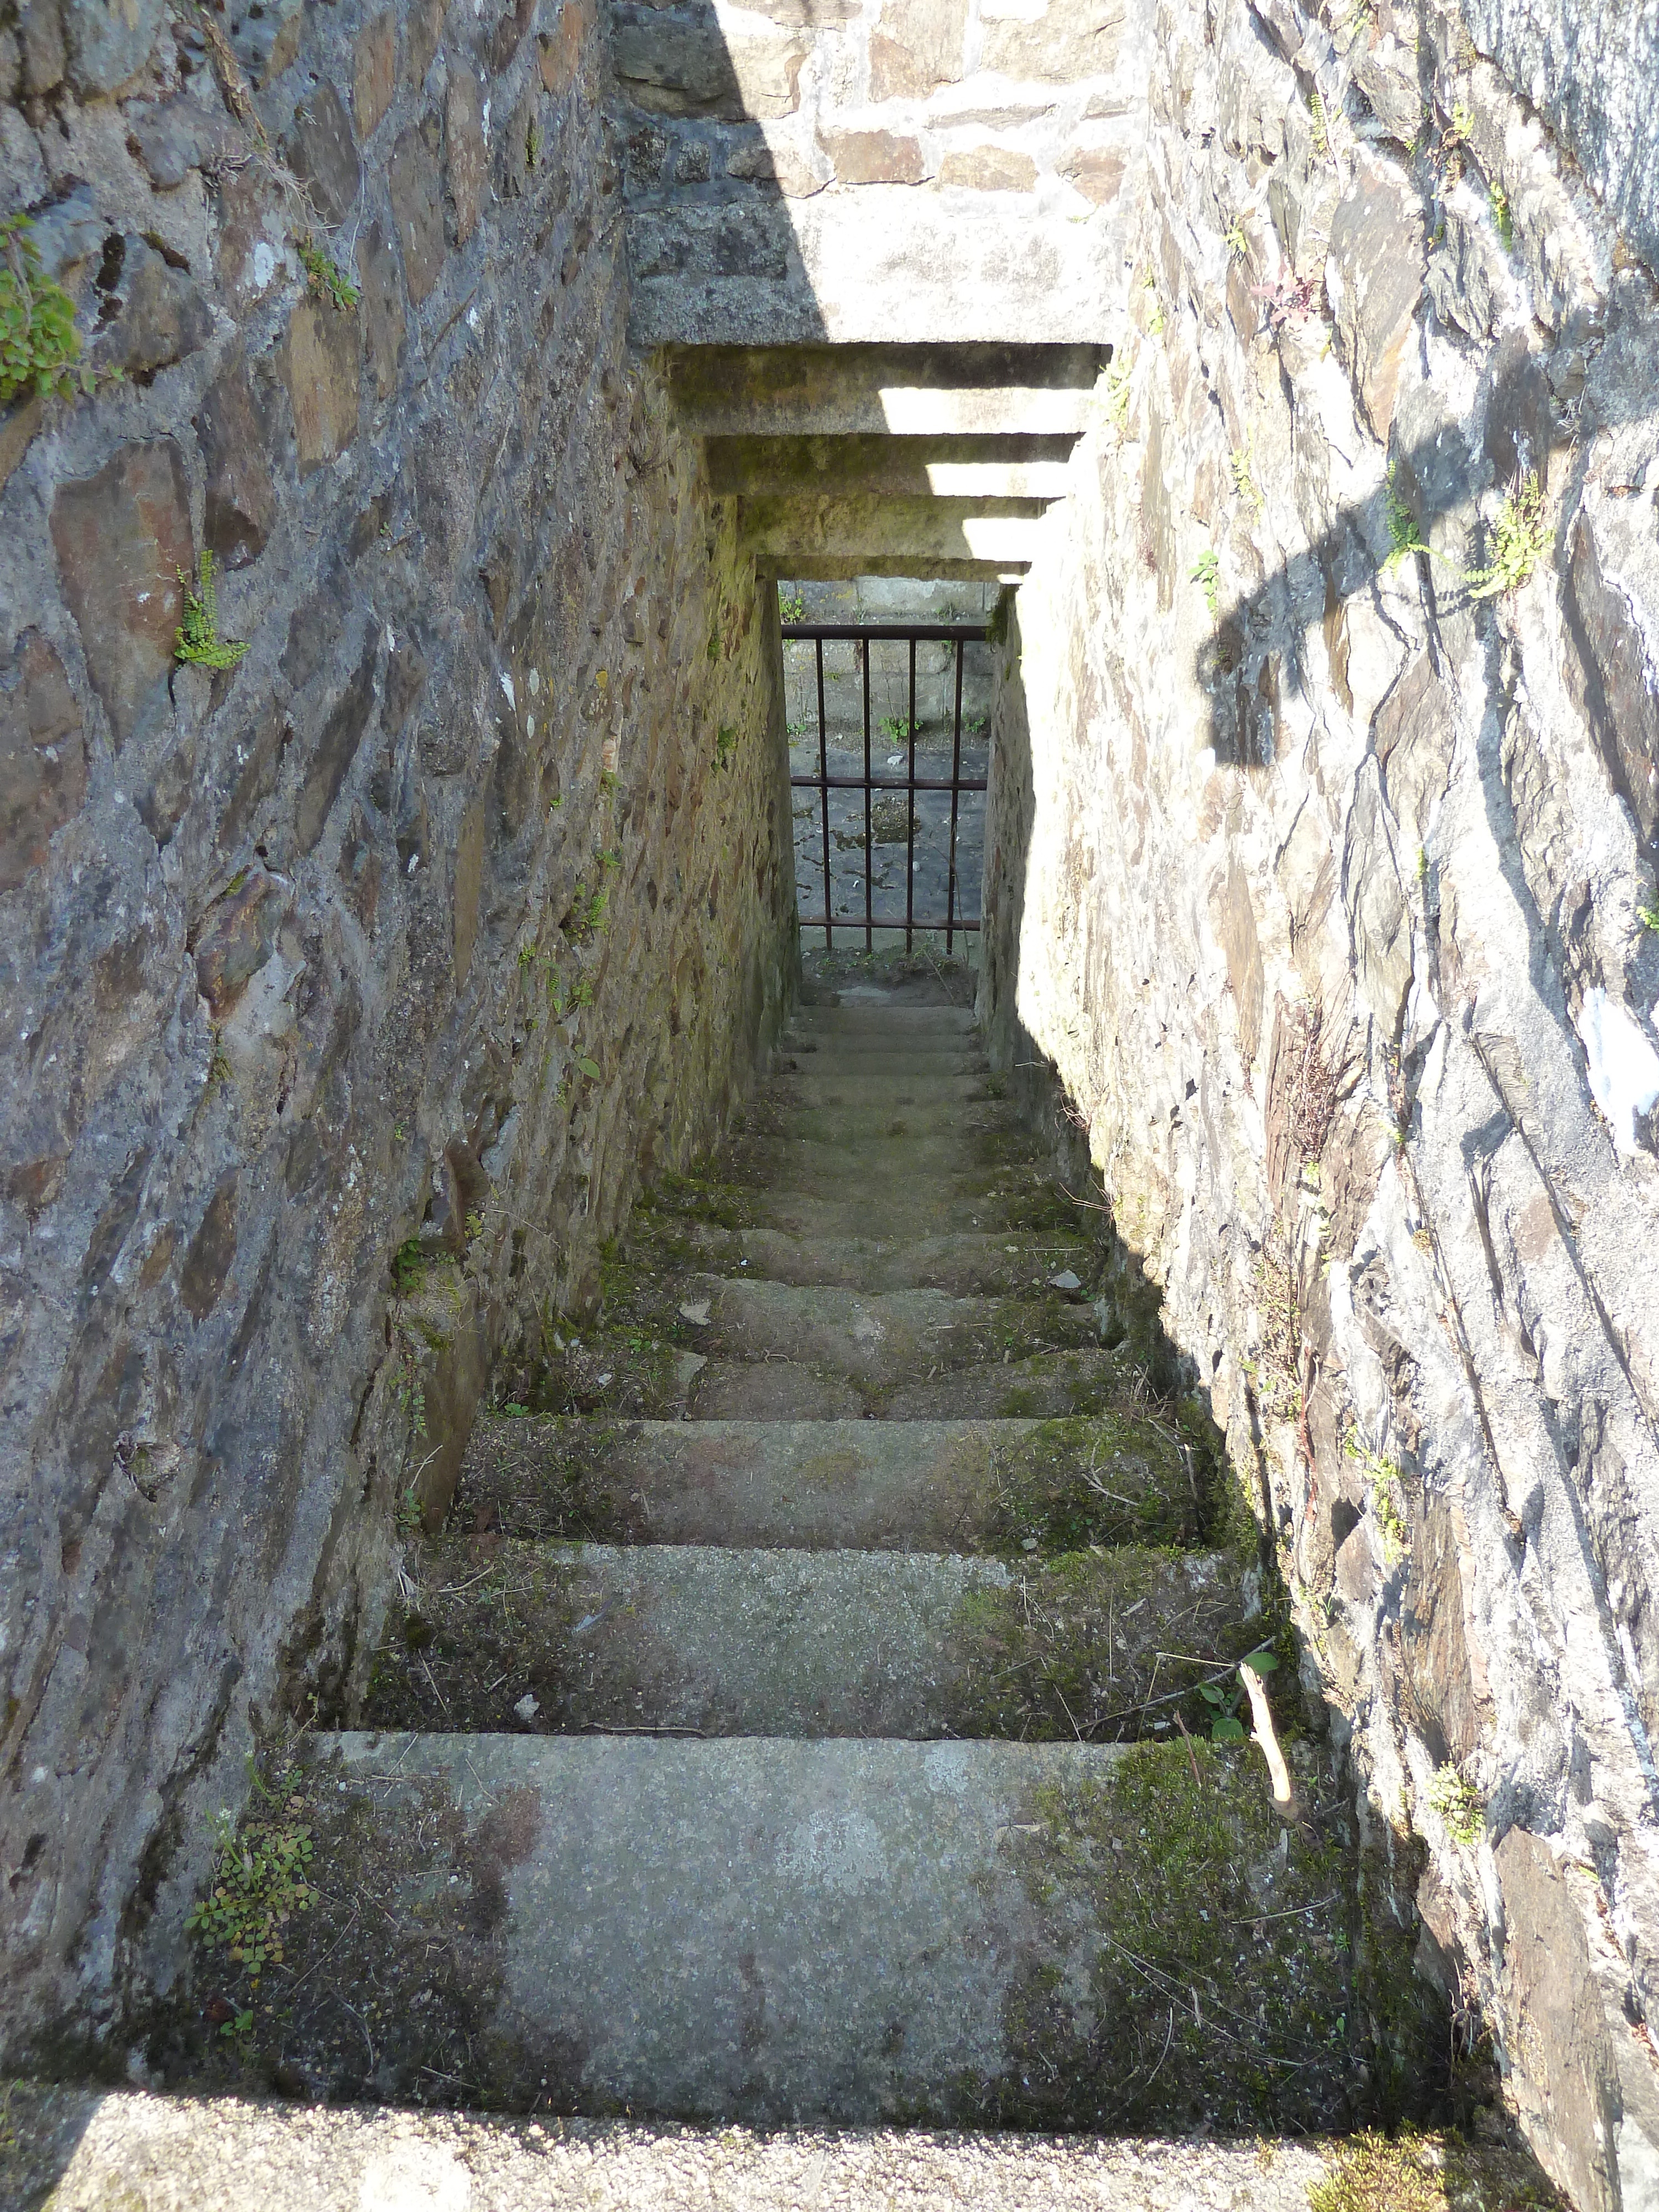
<point x="956" y="790"/>
<point x="868" y="945"/>
<point x="910" y="811"/>
<point x="823" y="773"/>
<point x="877" y="783"/>
<point x="929" y="633"/>
<point x="851" y="921"/>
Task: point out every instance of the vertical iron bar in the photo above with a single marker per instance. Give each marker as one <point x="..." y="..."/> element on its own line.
<point x="956" y="794"/>
<point x="910" y="804"/>
<point x="823" y="801"/>
<point x="869" y="940"/>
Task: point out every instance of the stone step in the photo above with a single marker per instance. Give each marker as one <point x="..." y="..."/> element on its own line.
<point x="874" y="1119"/>
<point x="1003" y="468"/>
<point x="980" y="1486"/>
<point x="899" y="1021"/>
<point x="1048" y="1386"/>
<point x="880" y="1340"/>
<point x="774" y="1931"/>
<point x="817" y="1079"/>
<point x="885" y="390"/>
<point x="982" y="1261"/>
<point x="105" y="2147"/>
<point x="829" y="1208"/>
<point x="715" y="1641"/>
<point x="785" y="532"/>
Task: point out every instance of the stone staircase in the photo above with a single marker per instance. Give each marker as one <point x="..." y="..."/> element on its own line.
<point x="798" y="1720"/>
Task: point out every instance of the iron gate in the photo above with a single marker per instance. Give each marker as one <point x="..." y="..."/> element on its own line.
<point x="961" y="635"/>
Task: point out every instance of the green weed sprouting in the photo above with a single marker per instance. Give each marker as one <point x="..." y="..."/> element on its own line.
<point x="1649" y="916"/>
<point x="197" y="640"/>
<point x="325" y="275"/>
<point x="1223" y="1702"/>
<point x="1206" y="571"/>
<point x="1117" y="392"/>
<point x="1234" y="238"/>
<point x="1498" y="200"/>
<point x="1520" y="540"/>
<point x="532" y="147"/>
<point x="1384" y="1477"/>
<point x="407" y="1267"/>
<point x="1321" y="136"/>
<point x="725" y="744"/>
<point x="259" y="1884"/>
<point x="792" y="607"/>
<point x="1404" y="536"/>
<point x="40" y="345"/>
<point x="1241" y="468"/>
<point x="1459" y="1805"/>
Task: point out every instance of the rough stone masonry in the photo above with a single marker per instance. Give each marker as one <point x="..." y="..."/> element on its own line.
<point x="1322" y="864"/>
<point x="347" y="989"/>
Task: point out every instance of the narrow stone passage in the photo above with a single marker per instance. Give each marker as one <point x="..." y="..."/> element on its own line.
<point x="801" y="1718"/>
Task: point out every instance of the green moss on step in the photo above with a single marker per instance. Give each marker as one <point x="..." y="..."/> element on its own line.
<point x="1431" y="2173"/>
<point x="1112" y="1477"/>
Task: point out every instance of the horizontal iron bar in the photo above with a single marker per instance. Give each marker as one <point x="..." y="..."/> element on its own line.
<point x="858" y="783"/>
<point x="847" y="921"/>
<point x="924" y="632"/>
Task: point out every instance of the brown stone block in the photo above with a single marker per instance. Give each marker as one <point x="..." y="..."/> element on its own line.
<point x="121" y="538"/>
<point x="373" y="72"/>
<point x="242" y="500"/>
<point x="469" y="878"/>
<point x="423" y="30"/>
<point x="413" y="184"/>
<point x="322" y="153"/>
<point x="678" y="68"/>
<point x="1376" y="258"/>
<point x="874" y="157"/>
<point x="559" y="51"/>
<point x="384" y="323"/>
<point x="17" y="428"/>
<point x="989" y="169"/>
<point x="1096" y="171"/>
<point x="318" y="360"/>
<point x="1075" y="39"/>
<point x="463" y="134"/>
<point x="774" y="165"/>
<point x="510" y="31"/>
<point x="211" y="1251"/>
<point x="235" y="938"/>
<point x="43" y="758"/>
<point x="916" y="47"/>
<point x="336" y="748"/>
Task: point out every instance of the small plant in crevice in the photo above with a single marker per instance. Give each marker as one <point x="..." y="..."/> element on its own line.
<point x="1459" y="1805"/>
<point x="726" y="740"/>
<point x="259" y="1881"/>
<point x="1206" y="572"/>
<point x="1499" y="201"/>
<point x="1649" y="916"/>
<point x="1235" y="240"/>
<point x="40" y="345"/>
<point x="1520" y="541"/>
<point x="897" y="730"/>
<point x="791" y="606"/>
<point x="409" y="1503"/>
<point x="324" y="277"/>
<point x="408" y="1268"/>
<point x="1384" y="1477"/>
<point x="532" y="147"/>
<point x="196" y="642"/>
<point x="1117" y="392"/>
<point x="1224" y="1701"/>
<point x="1321" y="136"/>
<point x="1404" y="537"/>
<point x="1241" y="466"/>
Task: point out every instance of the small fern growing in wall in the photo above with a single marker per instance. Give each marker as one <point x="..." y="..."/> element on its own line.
<point x="1520" y="541"/>
<point x="324" y="275"/>
<point x="1404" y="536"/>
<point x="40" y="345"/>
<point x="196" y="641"/>
<point x="1206" y="572"/>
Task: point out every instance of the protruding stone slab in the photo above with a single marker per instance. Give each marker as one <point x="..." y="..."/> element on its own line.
<point x="1004" y="530"/>
<point x="916" y="468"/>
<point x="927" y="391"/>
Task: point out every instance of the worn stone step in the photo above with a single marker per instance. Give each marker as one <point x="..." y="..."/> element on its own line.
<point x="981" y="1260"/>
<point x="881" y="1118"/>
<point x="104" y="2147"/>
<point x="817" y="1079"/>
<point x="927" y="1164"/>
<point x="1100" y="1646"/>
<point x="880" y="1340"/>
<point x="1005" y="1202"/>
<point x="777" y="1930"/>
<point x="1048" y="1386"/>
<point x="901" y="1029"/>
<point x="1122" y="1477"/>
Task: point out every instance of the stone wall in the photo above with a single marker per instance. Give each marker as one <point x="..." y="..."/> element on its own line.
<point x="870" y="171"/>
<point x="1324" y="872"/>
<point x="348" y="986"/>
